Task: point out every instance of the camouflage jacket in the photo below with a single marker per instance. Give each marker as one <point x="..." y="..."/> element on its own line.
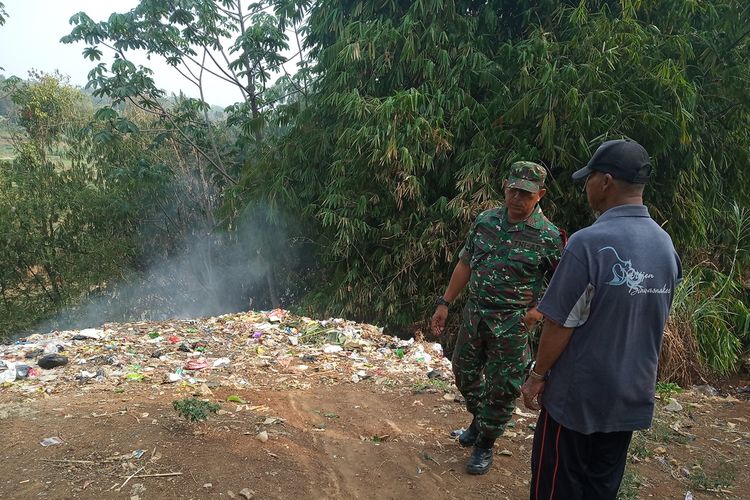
<point x="510" y="263"/>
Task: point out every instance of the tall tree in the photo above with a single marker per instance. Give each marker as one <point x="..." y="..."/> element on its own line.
<point x="239" y="44"/>
<point x="64" y="225"/>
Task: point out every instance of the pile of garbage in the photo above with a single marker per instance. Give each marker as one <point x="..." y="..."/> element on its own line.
<point x="238" y="350"/>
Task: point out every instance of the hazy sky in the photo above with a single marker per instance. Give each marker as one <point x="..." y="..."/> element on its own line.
<point x="31" y="39"/>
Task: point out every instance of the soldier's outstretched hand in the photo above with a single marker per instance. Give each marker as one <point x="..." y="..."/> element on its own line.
<point x="438" y="320"/>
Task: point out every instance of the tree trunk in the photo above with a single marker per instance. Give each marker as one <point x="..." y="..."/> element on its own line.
<point x="273" y="292"/>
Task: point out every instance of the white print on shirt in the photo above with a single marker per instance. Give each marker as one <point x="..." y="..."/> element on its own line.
<point x="623" y="273"/>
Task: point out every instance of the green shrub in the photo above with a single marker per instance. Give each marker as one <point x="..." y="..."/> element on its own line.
<point x="710" y="303"/>
<point x="193" y="409"/>
<point x="666" y="389"/>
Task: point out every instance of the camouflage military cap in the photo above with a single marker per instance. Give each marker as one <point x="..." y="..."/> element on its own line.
<point x="527" y="175"/>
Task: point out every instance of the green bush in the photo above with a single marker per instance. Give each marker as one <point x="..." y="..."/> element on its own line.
<point x="193" y="409"/>
<point x="711" y="302"/>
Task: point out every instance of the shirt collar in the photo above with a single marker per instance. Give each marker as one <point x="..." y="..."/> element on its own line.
<point x="624" y="211"/>
<point x="535" y="220"/>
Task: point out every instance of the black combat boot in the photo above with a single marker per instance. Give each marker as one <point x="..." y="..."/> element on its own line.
<point x="469" y="436"/>
<point x="481" y="456"/>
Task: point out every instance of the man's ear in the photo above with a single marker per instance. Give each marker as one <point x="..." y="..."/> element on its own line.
<point x="541" y="193"/>
<point x="505" y="184"/>
<point x="608" y="181"/>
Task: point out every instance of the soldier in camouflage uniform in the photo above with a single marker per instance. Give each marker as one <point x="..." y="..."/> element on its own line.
<point x="508" y="255"/>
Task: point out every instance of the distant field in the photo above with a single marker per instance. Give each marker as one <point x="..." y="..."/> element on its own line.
<point x="7" y="131"/>
<point x="6" y="150"/>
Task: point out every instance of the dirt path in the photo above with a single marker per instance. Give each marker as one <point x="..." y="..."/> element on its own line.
<point x="333" y="441"/>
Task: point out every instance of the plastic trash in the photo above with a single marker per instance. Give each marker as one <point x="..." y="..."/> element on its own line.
<point x="51" y="441"/>
<point x="52" y="361"/>
<point x="277" y="315"/>
<point x="420" y="356"/>
<point x="706" y="390"/>
<point x="457" y="432"/>
<point x="218" y="363"/>
<point x="85" y="375"/>
<point x="196" y="364"/>
<point x="7" y="372"/>
<point x="22" y="371"/>
<point x="90" y="333"/>
<point x="51" y="348"/>
<point x="331" y="349"/>
<point x="34" y="353"/>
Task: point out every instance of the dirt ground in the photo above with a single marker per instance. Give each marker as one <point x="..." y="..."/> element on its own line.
<point x="328" y="441"/>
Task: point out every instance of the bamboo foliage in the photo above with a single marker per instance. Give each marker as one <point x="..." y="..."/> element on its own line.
<point x="419" y="107"/>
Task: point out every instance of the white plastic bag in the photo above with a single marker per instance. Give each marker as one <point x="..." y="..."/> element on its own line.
<point x="7" y="372"/>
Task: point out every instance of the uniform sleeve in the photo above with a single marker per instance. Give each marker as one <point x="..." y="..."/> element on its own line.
<point x="567" y="300"/>
<point x="551" y="259"/>
<point x="468" y="249"/>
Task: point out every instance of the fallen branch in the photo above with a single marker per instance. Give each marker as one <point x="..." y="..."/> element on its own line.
<point x="165" y="474"/>
<point x="72" y="461"/>
<point x="131" y="477"/>
<point x="735" y="431"/>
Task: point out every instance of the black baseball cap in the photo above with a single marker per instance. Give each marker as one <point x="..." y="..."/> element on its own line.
<point x="622" y="158"/>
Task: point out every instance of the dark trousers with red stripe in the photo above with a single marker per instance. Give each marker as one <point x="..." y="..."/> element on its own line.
<point x="568" y="465"/>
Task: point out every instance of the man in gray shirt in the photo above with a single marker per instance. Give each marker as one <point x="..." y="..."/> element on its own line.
<point x="605" y="309"/>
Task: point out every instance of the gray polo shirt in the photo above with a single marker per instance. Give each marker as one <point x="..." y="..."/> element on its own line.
<point x="614" y="285"/>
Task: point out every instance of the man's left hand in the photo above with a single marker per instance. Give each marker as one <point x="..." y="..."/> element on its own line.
<point x="532" y="391"/>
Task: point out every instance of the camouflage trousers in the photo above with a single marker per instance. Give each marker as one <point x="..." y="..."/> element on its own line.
<point x="489" y="362"/>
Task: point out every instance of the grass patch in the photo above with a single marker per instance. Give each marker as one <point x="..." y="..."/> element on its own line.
<point x="718" y="477"/>
<point x="660" y="432"/>
<point x="630" y="485"/>
<point x="666" y="389"/>
<point x="638" y="446"/>
<point x="389" y="382"/>
<point x="431" y="385"/>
